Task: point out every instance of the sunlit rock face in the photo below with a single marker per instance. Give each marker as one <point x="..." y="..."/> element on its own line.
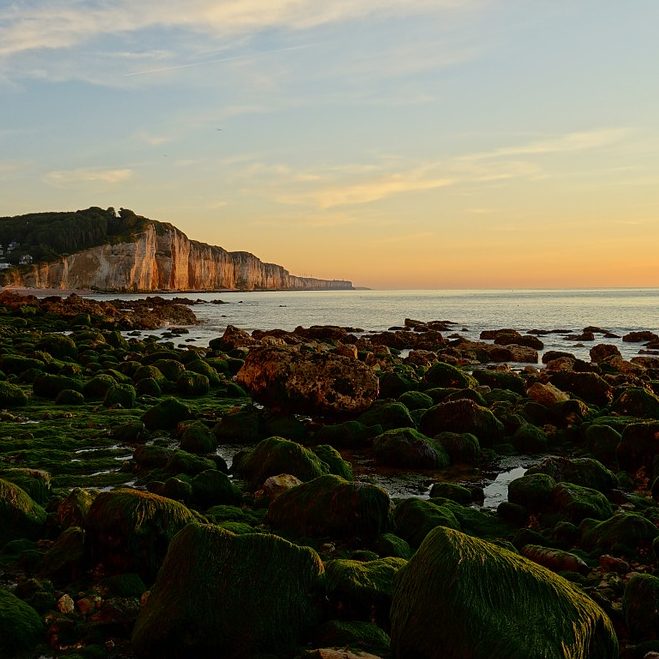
<point x="163" y="258"/>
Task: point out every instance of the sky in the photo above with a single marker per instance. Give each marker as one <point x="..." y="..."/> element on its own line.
<point x="396" y="143"/>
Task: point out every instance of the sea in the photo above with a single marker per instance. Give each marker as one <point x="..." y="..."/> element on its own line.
<point x="618" y="311"/>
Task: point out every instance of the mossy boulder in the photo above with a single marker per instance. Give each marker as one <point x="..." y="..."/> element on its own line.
<point x="211" y="487"/>
<point x="506" y="380"/>
<point x="462" y="448"/>
<point x="447" y="375"/>
<point x="36" y="482"/>
<point x="530" y="439"/>
<point x="463" y="416"/>
<point x="69" y="397"/>
<point x="408" y="448"/>
<point x="204" y="368"/>
<point x="182" y="462"/>
<point x="602" y="442"/>
<point x="276" y="455"/>
<point x="192" y="384"/>
<point x="166" y="414"/>
<point x="74" y="508"/>
<point x="172" y="369"/>
<point x="533" y="491"/>
<point x="97" y="387"/>
<point x="49" y="385"/>
<point x="148" y="372"/>
<point x="120" y="395"/>
<point x="452" y="491"/>
<point x="416" y="400"/>
<point x="240" y="427"/>
<point x="332" y="506"/>
<point x="636" y="401"/>
<point x="415" y="518"/>
<point x="197" y="438"/>
<point x="388" y="415"/>
<point x="12" y="395"/>
<point x="130" y="529"/>
<point x="64" y="559"/>
<point x="453" y="600"/>
<point x="624" y="533"/>
<point x="58" y="345"/>
<point x="389" y="544"/>
<point x="348" y="434"/>
<point x="21" y="629"/>
<point x="576" y="502"/>
<point x="640" y="606"/>
<point x="353" y="635"/>
<point x="224" y="595"/>
<point x="639" y="445"/>
<point x="362" y="590"/>
<point x="580" y="471"/>
<point x="20" y="516"/>
<point x="17" y="364"/>
<point x="332" y="458"/>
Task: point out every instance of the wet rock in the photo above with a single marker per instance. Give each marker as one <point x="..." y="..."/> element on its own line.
<point x="576" y="502"/>
<point x="388" y="415"/>
<point x="211" y="487"/>
<point x="623" y="534"/>
<point x="276" y="455"/>
<point x="20" y="516"/>
<point x="166" y="414"/>
<point x="555" y="560"/>
<point x="453" y="600"/>
<point x="581" y="471"/>
<point x="446" y="375"/>
<point x="603" y="351"/>
<point x="242" y="426"/>
<point x="274" y="486"/>
<point x="415" y="518"/>
<point x="463" y="416"/>
<point x="21" y="629"/>
<point x="641" y="606"/>
<point x="530" y="439"/>
<point x="462" y="448"/>
<point x="590" y="387"/>
<point x="332" y="506"/>
<point x="315" y="382"/>
<point x="637" y="401"/>
<point x="130" y="529"/>
<point x="638" y="337"/>
<point x="362" y="590"/>
<point x="639" y="445"/>
<point x="408" y="448"/>
<point x="218" y="594"/>
<point x="546" y="394"/>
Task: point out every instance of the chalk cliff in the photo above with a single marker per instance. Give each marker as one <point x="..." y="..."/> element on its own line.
<point x="162" y="258"/>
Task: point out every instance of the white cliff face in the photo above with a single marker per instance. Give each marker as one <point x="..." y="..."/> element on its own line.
<point x="163" y="258"/>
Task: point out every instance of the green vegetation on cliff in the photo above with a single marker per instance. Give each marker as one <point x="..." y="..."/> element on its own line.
<point x="47" y="236"/>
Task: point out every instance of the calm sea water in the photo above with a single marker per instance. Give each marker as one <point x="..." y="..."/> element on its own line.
<point x="617" y="310"/>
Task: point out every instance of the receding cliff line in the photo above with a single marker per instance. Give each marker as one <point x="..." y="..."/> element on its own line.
<point x="162" y="258"/>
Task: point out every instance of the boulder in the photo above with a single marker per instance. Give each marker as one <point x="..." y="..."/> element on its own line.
<point x="624" y="533"/>
<point x="20" y="516"/>
<point x="11" y="395"/>
<point x="639" y="446"/>
<point x="640" y="606"/>
<point x="166" y="414"/>
<point x="590" y="387"/>
<point x="223" y="595"/>
<point x="415" y="518"/>
<point x="580" y="471"/>
<point x="463" y="597"/>
<point x="408" y="448"/>
<point x="276" y="455"/>
<point x="130" y="529"/>
<point x="21" y="629"/>
<point x="463" y="416"/>
<point x="313" y="382"/>
<point x="546" y="394"/>
<point x="462" y="448"/>
<point x="332" y="506"/>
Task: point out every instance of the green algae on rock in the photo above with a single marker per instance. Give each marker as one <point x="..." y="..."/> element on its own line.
<point x="331" y="506"/>
<point x="220" y="594"/>
<point x="463" y="597"/>
<point x="408" y="448"/>
<point x="131" y="529"/>
<point x="21" y="628"/>
<point x="20" y="516"/>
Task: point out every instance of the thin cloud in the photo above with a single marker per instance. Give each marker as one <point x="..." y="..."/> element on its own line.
<point x="579" y="141"/>
<point x="66" y="177"/>
<point x="61" y="24"/>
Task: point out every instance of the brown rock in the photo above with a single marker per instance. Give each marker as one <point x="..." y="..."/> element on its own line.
<point x="603" y="351"/>
<point x="276" y="485"/>
<point x="546" y="394"/>
<point x="313" y="382"/>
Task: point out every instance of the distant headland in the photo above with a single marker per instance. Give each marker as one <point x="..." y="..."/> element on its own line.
<point x="104" y="250"/>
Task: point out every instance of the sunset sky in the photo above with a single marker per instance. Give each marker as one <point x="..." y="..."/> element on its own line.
<point x="396" y="143"/>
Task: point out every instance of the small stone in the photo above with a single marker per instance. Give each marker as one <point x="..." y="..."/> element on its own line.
<point x="65" y="604"/>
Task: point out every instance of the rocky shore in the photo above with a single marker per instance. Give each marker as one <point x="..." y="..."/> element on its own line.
<point x="163" y="500"/>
